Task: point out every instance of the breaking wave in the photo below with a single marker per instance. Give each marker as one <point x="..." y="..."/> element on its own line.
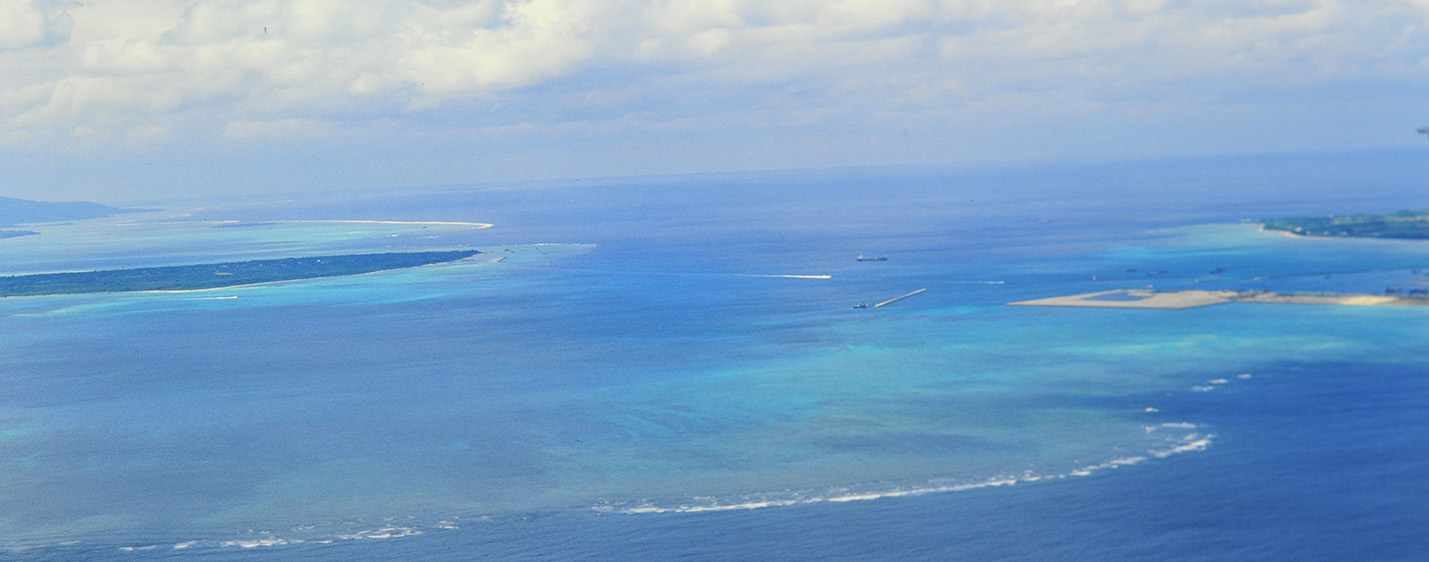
<point x="1182" y="443"/>
<point x="393" y="528"/>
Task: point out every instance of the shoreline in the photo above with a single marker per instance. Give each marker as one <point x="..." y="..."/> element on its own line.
<point x="1288" y="233"/>
<point x="1337" y="237"/>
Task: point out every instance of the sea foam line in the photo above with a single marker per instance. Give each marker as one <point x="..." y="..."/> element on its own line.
<point x="263" y="540"/>
<point x="433" y="223"/>
<point x="682" y="273"/>
<point x="1188" y="443"/>
<point x="782" y="276"/>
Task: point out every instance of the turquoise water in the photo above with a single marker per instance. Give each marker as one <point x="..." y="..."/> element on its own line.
<point x="654" y="366"/>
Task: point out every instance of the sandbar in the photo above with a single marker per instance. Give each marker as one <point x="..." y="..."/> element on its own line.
<point x="1176" y="300"/>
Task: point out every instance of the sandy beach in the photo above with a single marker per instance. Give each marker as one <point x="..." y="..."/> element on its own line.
<point x="1137" y="299"/>
<point x="1175" y="300"/>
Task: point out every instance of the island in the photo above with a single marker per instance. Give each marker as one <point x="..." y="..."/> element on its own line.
<point x="20" y="211"/>
<point x="217" y="275"/>
<point x="1402" y="225"/>
<point x="1410" y="225"/>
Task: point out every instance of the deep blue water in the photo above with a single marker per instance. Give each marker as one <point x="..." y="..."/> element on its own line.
<point x="641" y="377"/>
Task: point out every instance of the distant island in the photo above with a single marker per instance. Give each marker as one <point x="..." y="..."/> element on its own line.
<point x="1409" y="225"/>
<point x="217" y="275"/>
<point x="20" y="211"/>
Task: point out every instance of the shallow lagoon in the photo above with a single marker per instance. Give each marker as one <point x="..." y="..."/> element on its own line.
<point x="638" y="377"/>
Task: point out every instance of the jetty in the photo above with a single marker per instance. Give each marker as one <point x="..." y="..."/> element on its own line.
<point x="896" y="299"/>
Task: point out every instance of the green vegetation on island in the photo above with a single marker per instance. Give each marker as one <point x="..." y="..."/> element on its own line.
<point x="217" y="275"/>
<point x="1411" y="225"/>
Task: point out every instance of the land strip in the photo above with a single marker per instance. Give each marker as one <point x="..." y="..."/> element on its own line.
<point x="1407" y="225"/>
<point x="217" y="275"/>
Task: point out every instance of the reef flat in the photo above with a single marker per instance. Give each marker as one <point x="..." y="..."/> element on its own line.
<point x="217" y="275"/>
<point x="1410" y="225"/>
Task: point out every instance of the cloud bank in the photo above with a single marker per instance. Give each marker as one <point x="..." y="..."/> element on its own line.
<point x="236" y="71"/>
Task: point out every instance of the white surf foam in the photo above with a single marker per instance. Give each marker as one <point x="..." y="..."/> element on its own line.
<point x="324" y="533"/>
<point x="780" y="276"/>
<point x="255" y="543"/>
<point x="1194" y="442"/>
<point x="1184" y="444"/>
<point x="381" y="533"/>
<point x="478" y="225"/>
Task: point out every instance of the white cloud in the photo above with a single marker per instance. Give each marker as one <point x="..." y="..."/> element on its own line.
<point x="250" y="69"/>
<point x="709" y="43"/>
<point x="532" y="41"/>
<point x="31" y="23"/>
<point x="281" y="129"/>
<point x="21" y="24"/>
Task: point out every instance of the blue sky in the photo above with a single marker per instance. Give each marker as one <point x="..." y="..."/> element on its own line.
<point x="114" y="101"/>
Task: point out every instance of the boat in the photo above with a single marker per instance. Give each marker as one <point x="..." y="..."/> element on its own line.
<point x="862" y="257"/>
<point x="861" y="305"/>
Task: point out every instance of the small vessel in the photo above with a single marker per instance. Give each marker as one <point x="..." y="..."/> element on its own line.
<point x="862" y="257"/>
<point x="861" y="305"/>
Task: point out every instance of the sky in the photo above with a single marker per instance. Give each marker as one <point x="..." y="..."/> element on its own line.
<point x="115" y="101"/>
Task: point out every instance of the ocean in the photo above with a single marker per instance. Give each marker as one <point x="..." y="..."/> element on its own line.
<point x="673" y="368"/>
